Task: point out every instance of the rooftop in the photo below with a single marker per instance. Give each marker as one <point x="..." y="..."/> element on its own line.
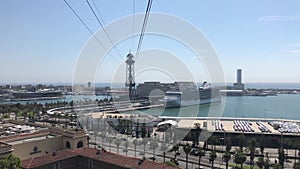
<point x="96" y="154"/>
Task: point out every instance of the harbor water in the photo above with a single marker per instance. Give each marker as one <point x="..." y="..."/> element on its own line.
<point x="278" y="107"/>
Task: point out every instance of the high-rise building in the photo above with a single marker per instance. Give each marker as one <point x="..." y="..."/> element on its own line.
<point x="239" y="76"/>
<point x="238" y="85"/>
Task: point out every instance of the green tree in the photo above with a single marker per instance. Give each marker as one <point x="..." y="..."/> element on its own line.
<point x="262" y="144"/>
<point x="187" y="149"/>
<point x="175" y="148"/>
<point x="267" y="162"/>
<point x="281" y="156"/>
<point x="200" y="154"/>
<point x="212" y="157"/>
<point x="251" y="147"/>
<point x="212" y="141"/>
<point x="10" y="162"/>
<point x="242" y="140"/>
<point x="228" y="143"/>
<point x="296" y="165"/>
<point x="227" y="157"/>
<point x="277" y="166"/>
<point x="260" y="162"/>
<point x="143" y="130"/>
<point x="240" y="157"/>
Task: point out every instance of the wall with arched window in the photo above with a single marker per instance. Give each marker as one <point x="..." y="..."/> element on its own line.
<point x="79" y="144"/>
<point x="68" y="144"/>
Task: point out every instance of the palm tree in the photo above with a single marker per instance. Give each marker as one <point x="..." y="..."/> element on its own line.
<point x="287" y="143"/>
<point x="227" y="157"/>
<point x="118" y="141"/>
<point x="277" y="166"/>
<point x="153" y="146"/>
<point x="109" y="139"/>
<point x="103" y="136"/>
<point x="260" y="162"/>
<point x="251" y="148"/>
<point x="164" y="149"/>
<point x="187" y="149"/>
<point x="296" y="165"/>
<point x="135" y="142"/>
<point x="241" y="141"/>
<point x="281" y="156"/>
<point x="228" y="143"/>
<point x="126" y="144"/>
<point x="145" y="142"/>
<point x="212" y="157"/>
<point x="212" y="141"/>
<point x="200" y="154"/>
<point x="262" y="144"/>
<point x="240" y="157"/>
<point x="175" y="149"/>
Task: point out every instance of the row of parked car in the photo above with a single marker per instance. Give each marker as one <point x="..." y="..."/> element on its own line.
<point x="242" y="125"/>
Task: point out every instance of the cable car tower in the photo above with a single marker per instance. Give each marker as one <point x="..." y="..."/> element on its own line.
<point x="130" y="80"/>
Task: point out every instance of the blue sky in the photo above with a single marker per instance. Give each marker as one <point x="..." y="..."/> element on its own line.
<point x="41" y="40"/>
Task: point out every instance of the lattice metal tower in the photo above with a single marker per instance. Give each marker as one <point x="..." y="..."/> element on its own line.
<point x="130" y="80"/>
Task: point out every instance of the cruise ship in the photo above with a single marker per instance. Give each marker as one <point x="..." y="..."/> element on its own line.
<point x="188" y="94"/>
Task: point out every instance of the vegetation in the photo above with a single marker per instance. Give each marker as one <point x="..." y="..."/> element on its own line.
<point x="212" y="157"/>
<point x="145" y="142"/>
<point x="296" y="165"/>
<point x="110" y="140"/>
<point x="153" y="146"/>
<point x="251" y="147"/>
<point x="227" y="157"/>
<point x="170" y="163"/>
<point x="228" y="143"/>
<point x="187" y="149"/>
<point x="260" y="162"/>
<point x="135" y="142"/>
<point x="118" y="142"/>
<point x="200" y="154"/>
<point x="10" y="162"/>
<point x="240" y="158"/>
<point x="164" y="148"/>
<point x="126" y="144"/>
<point x="281" y="157"/>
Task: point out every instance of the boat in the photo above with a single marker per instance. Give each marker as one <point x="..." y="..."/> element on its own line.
<point x="188" y="94"/>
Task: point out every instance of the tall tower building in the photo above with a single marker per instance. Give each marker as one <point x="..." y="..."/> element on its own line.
<point x="130" y="77"/>
<point x="239" y="76"/>
<point x="238" y="85"/>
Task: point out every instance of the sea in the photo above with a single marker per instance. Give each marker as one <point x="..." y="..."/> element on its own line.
<point x="283" y="106"/>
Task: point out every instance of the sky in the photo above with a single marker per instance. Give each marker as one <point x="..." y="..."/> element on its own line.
<point x="42" y="41"/>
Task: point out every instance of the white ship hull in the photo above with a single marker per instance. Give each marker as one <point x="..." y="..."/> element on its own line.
<point x="181" y="103"/>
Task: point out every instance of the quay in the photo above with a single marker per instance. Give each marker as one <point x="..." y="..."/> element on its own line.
<point x="273" y="131"/>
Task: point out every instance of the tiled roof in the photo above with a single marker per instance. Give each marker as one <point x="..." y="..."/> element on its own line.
<point x="108" y="157"/>
<point x="47" y="158"/>
<point x="24" y="136"/>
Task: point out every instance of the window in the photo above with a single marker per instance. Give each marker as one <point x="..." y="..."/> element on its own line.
<point x="68" y="144"/>
<point x="79" y="144"/>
